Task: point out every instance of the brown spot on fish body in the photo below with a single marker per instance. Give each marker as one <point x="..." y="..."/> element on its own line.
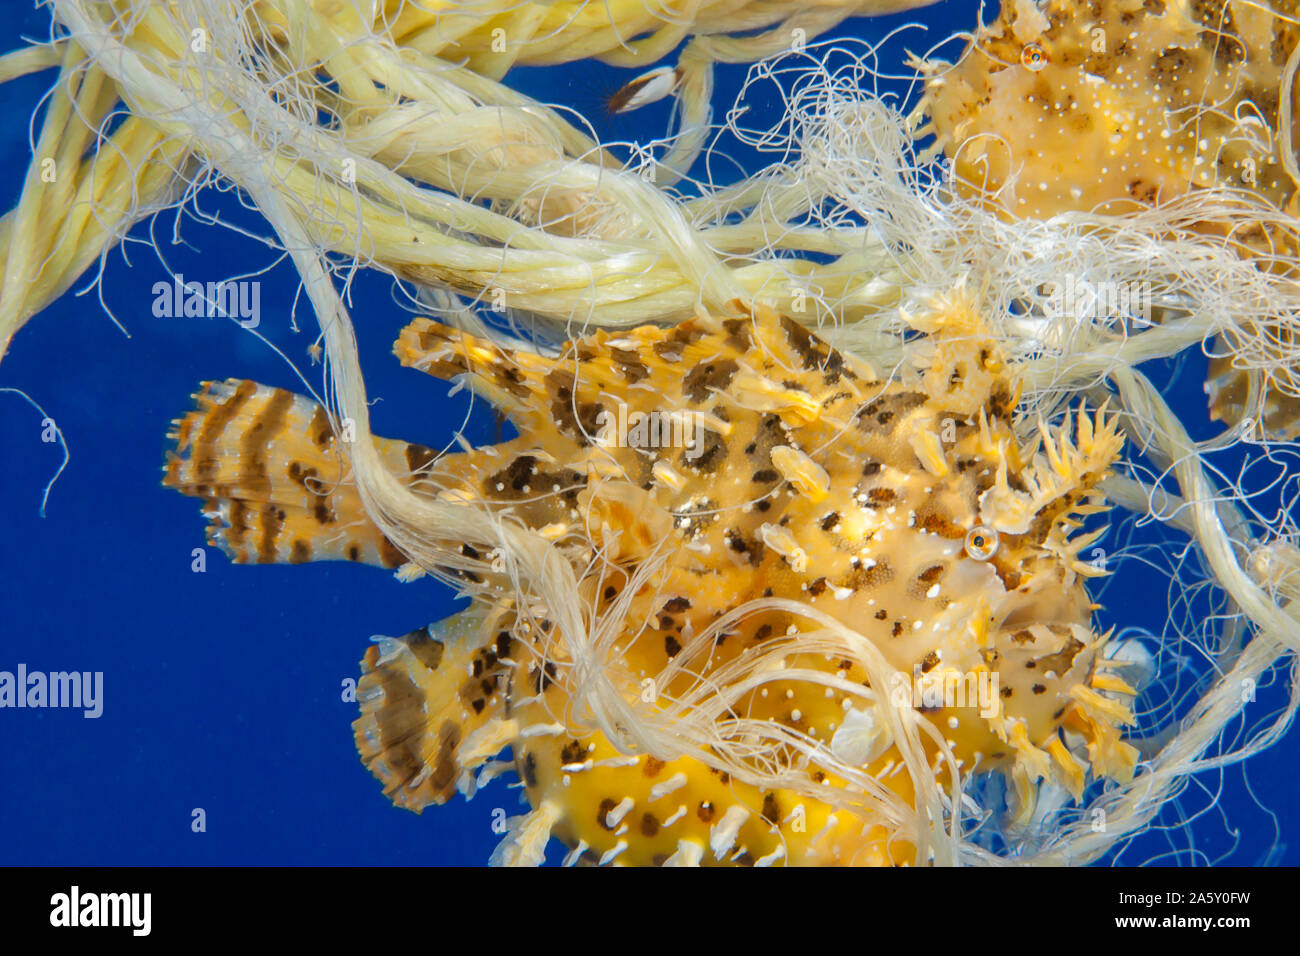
<point x="810" y="351"/>
<point x="419" y="456"/>
<point x="884" y="412"/>
<point x="389" y="555"/>
<point x="670" y="352"/>
<point x="1061" y="662"/>
<point x="319" y="429"/>
<point x="738" y="336"/>
<point x="713" y="454"/>
<point x="861" y="577"/>
<point x="426" y="649"/>
<point x="704" y="378"/>
<point x="529" y="769"/>
<point x="513" y="480"/>
<point x="510" y="379"/>
<point x="544" y="676"/>
<point x="602" y="812"/>
<point x="629" y="362"/>
<point x="589" y="421"/>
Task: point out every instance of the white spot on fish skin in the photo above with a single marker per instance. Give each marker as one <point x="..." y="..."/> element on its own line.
<point x="722" y="836"/>
<point x="615" y="816"/>
<point x="609" y="855"/>
<point x="675" y="782"/>
<point x="784" y="543"/>
<point x="619" y="762"/>
<point x="808" y="477"/>
<point x="576" y="853"/>
<point x="668" y="476"/>
<point x="688" y="853"/>
<point x="777" y="854"/>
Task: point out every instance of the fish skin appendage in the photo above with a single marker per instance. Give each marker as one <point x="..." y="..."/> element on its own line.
<point x="803" y="590"/>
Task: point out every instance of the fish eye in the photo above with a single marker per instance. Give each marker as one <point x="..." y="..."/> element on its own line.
<point x="1033" y="57"/>
<point x="981" y="543"/>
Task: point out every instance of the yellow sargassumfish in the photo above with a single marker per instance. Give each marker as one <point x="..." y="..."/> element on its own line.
<point x="684" y="472"/>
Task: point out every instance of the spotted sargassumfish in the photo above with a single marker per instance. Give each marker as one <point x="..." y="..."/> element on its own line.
<point x="824" y="590"/>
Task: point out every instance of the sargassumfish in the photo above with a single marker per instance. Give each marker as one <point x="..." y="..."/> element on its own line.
<point x="1118" y="106"/>
<point x="903" y="508"/>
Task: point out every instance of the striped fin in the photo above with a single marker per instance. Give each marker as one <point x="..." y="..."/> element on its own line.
<point x="274" y="480"/>
<point x="422" y="696"/>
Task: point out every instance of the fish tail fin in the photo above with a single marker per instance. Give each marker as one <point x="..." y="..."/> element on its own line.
<point x="275" y="482"/>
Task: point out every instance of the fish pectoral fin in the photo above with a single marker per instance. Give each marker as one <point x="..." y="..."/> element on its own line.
<point x="422" y="696"/>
